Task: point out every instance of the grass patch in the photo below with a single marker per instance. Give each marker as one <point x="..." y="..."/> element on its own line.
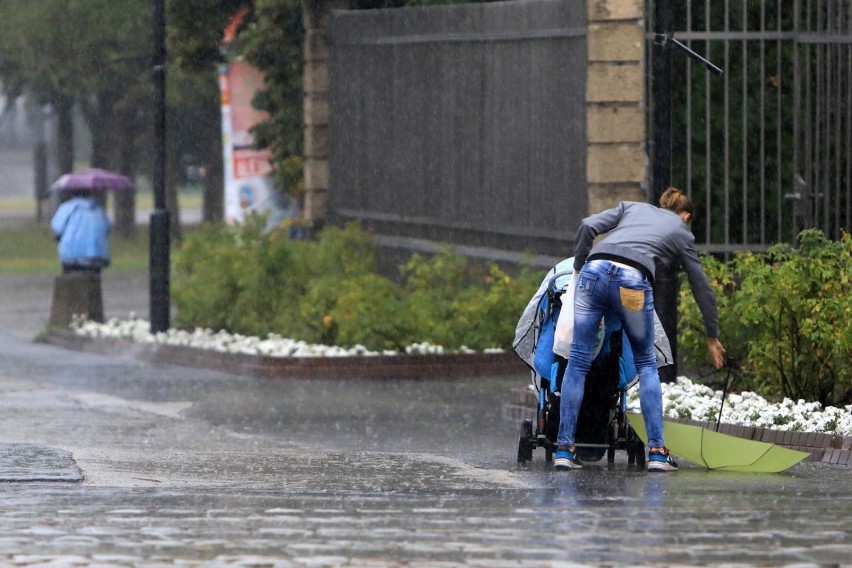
<point x="32" y="248"/>
<point x="28" y="247"/>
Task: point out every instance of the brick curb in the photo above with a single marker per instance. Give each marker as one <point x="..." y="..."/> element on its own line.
<point x="370" y="367"/>
<point x="824" y="448"/>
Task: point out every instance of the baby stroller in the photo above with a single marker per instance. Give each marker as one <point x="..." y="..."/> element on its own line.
<point x="602" y="427"/>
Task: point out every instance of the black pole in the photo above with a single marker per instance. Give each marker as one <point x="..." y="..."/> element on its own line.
<point x="159" y="226"/>
<point x="666" y="282"/>
<point x="730" y="365"/>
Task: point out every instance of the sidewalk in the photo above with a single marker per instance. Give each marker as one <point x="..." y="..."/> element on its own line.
<point x="112" y="461"/>
<point x="25" y="299"/>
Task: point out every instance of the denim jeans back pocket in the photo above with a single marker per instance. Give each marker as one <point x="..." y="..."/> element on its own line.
<point x="586" y="284"/>
<point x="632" y="300"/>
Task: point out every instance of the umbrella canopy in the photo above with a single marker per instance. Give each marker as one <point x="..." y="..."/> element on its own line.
<point x="92" y="179"/>
<point x="721" y="451"/>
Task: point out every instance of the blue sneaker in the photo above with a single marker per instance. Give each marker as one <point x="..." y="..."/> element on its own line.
<point x="566" y="458"/>
<point x="661" y="460"/>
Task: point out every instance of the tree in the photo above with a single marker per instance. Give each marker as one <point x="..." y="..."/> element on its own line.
<point x="90" y="53"/>
<point x="272" y="42"/>
<point x="195" y="30"/>
<point x="270" y="37"/>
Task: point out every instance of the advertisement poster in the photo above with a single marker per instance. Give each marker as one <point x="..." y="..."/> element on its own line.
<point x="249" y="185"/>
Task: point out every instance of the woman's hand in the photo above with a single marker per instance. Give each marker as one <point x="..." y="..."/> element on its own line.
<point x="716" y="351"/>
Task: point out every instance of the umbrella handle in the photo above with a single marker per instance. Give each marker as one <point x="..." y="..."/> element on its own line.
<point x="730" y="365"/>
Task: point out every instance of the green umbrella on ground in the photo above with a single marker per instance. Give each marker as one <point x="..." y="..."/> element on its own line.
<point x="713" y="450"/>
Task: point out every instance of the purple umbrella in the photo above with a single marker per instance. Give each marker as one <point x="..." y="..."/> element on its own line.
<point x="92" y="179"/>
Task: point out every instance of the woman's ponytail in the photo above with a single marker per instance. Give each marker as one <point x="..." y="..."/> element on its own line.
<point x="674" y="200"/>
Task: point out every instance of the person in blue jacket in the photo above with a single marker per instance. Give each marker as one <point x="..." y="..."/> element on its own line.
<point x="614" y="277"/>
<point x="82" y="229"/>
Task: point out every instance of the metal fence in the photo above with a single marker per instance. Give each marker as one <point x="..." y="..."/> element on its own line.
<point x="461" y="123"/>
<point x="766" y="149"/>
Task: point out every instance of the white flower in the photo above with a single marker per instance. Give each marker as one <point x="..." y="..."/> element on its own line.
<point x="686" y="399"/>
<point x="273" y="345"/>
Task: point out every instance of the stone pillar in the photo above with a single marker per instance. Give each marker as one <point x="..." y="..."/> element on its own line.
<point x="76" y="294"/>
<point x="616" y="156"/>
<point x="317" y="17"/>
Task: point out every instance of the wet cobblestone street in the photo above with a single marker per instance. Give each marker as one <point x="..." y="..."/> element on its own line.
<point x="596" y="517"/>
<point x="184" y="467"/>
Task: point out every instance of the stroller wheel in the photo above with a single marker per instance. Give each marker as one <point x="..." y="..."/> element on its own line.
<point x="639" y="450"/>
<point x="611" y="440"/>
<point x="636" y="454"/>
<point x="548" y="454"/>
<point x="525" y="447"/>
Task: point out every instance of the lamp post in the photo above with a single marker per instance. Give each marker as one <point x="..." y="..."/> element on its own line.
<point x="159" y="225"/>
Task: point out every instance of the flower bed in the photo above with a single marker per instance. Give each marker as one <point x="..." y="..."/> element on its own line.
<point x="685" y="399"/>
<point x="277" y="357"/>
<point x="138" y="330"/>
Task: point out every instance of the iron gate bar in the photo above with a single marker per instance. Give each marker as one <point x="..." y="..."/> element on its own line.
<point x="734" y="35"/>
<point x="838" y="118"/>
<point x="727" y="115"/>
<point x="849" y="131"/>
<point x="765" y="35"/>
<point x="763" y="129"/>
<point x="824" y="39"/>
<point x="779" y="214"/>
<point x="708" y="171"/>
<point x="745" y="131"/>
<point x="689" y="104"/>
<point x="727" y="249"/>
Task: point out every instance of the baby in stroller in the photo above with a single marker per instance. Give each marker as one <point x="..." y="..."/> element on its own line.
<point x="543" y="342"/>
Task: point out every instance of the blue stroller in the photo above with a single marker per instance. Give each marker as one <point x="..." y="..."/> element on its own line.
<point x="602" y="426"/>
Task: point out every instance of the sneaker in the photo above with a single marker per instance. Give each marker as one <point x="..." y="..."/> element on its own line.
<point x="566" y="458"/>
<point x="661" y="460"/>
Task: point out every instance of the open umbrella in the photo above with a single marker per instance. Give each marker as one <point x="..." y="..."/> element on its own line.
<point x="721" y="451"/>
<point x="92" y="179"/>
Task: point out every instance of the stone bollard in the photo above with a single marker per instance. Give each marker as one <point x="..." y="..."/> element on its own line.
<point x="76" y="293"/>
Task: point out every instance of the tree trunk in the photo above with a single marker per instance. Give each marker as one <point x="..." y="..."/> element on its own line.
<point x="112" y="149"/>
<point x="65" y="135"/>
<point x="171" y="181"/>
<point x="214" y="182"/>
<point x="125" y="201"/>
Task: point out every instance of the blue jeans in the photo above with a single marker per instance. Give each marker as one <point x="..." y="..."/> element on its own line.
<point x="607" y="290"/>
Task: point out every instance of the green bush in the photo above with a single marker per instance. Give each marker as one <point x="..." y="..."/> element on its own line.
<point x="456" y="303"/>
<point x="367" y="310"/>
<point x="788" y="315"/>
<point x="246" y="280"/>
<point x="492" y="309"/>
<point x="432" y="285"/>
<point x="237" y="277"/>
<point x="692" y="345"/>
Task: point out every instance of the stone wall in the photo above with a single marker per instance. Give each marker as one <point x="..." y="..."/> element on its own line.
<point x="616" y="165"/>
<point x="615" y="95"/>
<point x="316" y="104"/>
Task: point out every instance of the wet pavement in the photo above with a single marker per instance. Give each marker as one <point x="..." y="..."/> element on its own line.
<point x="185" y="467"/>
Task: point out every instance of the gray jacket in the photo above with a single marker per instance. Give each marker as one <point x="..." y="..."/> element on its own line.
<point x="646" y="236"/>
